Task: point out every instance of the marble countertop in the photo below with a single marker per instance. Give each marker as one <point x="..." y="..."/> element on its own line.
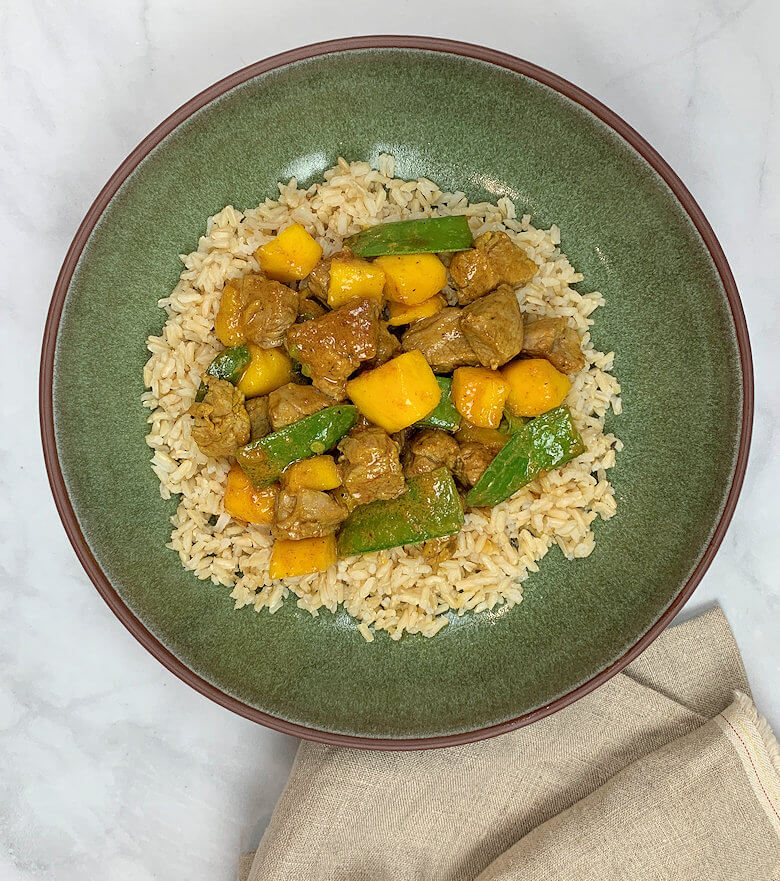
<point x="111" y="767"/>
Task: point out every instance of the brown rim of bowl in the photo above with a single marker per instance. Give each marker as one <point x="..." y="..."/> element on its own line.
<point x="54" y="471"/>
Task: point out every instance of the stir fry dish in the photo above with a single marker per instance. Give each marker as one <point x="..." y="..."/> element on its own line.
<point x="369" y="399"/>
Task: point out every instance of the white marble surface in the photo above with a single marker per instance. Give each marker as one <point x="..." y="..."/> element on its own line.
<point x="111" y="768"/>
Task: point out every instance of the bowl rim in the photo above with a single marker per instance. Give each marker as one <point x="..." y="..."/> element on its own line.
<point x="313" y="50"/>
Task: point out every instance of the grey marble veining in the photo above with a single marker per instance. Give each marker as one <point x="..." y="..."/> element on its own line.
<point x="111" y="768"/>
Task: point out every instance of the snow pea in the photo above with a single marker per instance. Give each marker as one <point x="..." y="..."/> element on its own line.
<point x="542" y="444"/>
<point x="228" y="365"/>
<point x="430" y="508"/>
<point x="511" y="424"/>
<point x="445" y="416"/>
<point x="430" y="235"/>
<point x="264" y="460"/>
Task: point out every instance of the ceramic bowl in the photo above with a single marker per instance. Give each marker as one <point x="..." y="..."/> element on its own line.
<point x="489" y="124"/>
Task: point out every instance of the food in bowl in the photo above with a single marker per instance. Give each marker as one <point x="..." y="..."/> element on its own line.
<point x="374" y="394"/>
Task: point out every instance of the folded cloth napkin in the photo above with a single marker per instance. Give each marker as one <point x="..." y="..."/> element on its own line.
<point x="664" y="772"/>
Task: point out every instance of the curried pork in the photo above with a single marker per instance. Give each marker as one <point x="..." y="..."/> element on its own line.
<point x="306" y="513"/>
<point x="553" y="339"/>
<point x="441" y="340"/>
<point x="370" y="467"/>
<point x="387" y="346"/>
<point x="309" y="308"/>
<point x="493" y="326"/>
<point x="495" y="259"/>
<point x="220" y="424"/>
<point x="332" y="347"/>
<point x="269" y="309"/>
<point x="259" y="424"/>
<point x="474" y="458"/>
<point x="428" y="450"/>
<point x="292" y="402"/>
<point x="319" y="280"/>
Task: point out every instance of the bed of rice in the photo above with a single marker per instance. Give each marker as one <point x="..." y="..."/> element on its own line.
<point x="399" y="590"/>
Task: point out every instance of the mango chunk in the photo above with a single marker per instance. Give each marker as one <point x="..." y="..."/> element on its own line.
<point x="535" y="386"/>
<point x="399" y="314"/>
<point x="352" y="277"/>
<point x="290" y="559"/>
<point x="412" y="278"/>
<point x="290" y="256"/>
<point x="269" y="369"/>
<point x="227" y="324"/>
<point x="244" y="501"/>
<point x="398" y="393"/>
<point x="479" y="395"/>
<point x="319" y="472"/>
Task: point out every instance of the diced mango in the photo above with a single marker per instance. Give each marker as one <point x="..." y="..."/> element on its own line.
<point x="354" y="277"/>
<point x="535" y="386"/>
<point x="319" y="472"/>
<point x="489" y="437"/>
<point x="397" y="394"/>
<point x="398" y="313"/>
<point x="290" y="256"/>
<point x="412" y="278"/>
<point x="292" y="558"/>
<point x="269" y="369"/>
<point x="227" y="324"/>
<point x="244" y="501"/>
<point x="479" y="395"/>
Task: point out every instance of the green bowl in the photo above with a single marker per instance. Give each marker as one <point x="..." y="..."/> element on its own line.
<point x="491" y="125"/>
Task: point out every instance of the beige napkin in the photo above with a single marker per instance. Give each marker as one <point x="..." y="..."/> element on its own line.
<point x="665" y="772"/>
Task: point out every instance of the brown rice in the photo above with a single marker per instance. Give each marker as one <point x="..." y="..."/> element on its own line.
<point x="399" y="590"/>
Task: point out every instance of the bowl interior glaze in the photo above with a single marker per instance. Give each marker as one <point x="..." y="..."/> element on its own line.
<point x="491" y="132"/>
